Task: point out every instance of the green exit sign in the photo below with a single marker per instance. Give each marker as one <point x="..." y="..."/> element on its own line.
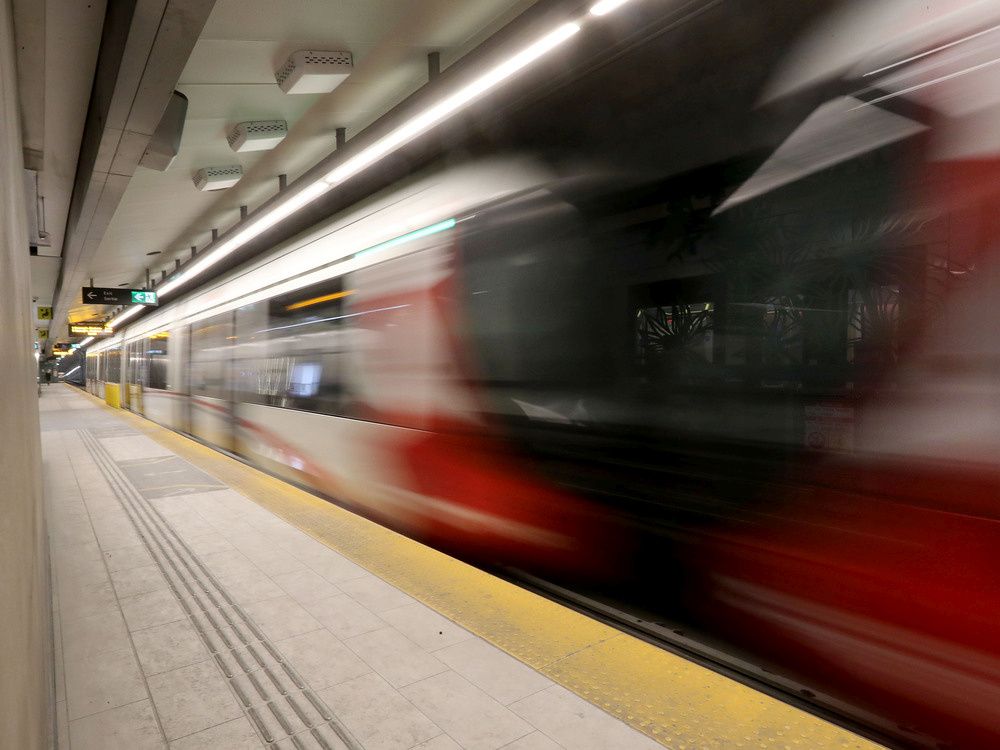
<point x="143" y="298"/>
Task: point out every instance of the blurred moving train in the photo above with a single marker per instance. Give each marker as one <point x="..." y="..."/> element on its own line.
<point x="740" y="373"/>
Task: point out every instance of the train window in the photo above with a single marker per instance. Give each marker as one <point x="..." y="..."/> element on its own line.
<point x="159" y="353"/>
<point x="211" y="340"/>
<point x="535" y="298"/>
<point x="292" y="350"/>
<point x="757" y="314"/>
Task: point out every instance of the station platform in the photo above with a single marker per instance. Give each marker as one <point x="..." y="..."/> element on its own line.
<point x="200" y="603"/>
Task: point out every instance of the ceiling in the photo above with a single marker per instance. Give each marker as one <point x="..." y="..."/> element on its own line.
<point x="229" y="78"/>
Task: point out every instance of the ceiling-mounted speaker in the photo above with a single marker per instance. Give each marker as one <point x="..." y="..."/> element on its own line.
<point x="257" y="135"/>
<point x="217" y="178"/>
<point x="314" y="72"/>
<point x="166" y="139"/>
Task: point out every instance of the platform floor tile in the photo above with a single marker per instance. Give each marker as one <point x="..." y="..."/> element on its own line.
<point x="188" y="616"/>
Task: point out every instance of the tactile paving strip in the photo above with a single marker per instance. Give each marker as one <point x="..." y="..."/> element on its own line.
<point x="278" y="702"/>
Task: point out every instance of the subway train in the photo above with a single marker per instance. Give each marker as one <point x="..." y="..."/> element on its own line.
<point x="731" y="368"/>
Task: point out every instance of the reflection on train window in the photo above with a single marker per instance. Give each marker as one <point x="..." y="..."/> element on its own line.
<point x="113" y="366"/>
<point x="305" y="379"/>
<point x="211" y="340"/>
<point x="159" y="352"/>
<point x="136" y="360"/>
<point x="675" y="334"/>
<point x="292" y="350"/>
<point x="535" y="298"/>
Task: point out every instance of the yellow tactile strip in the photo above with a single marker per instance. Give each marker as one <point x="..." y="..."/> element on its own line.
<point x="678" y="703"/>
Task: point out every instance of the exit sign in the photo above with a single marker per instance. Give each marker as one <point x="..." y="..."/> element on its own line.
<point x="98" y="295"/>
<point x="143" y="298"/>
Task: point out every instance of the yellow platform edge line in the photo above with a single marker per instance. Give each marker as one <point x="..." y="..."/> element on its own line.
<point x="676" y="702"/>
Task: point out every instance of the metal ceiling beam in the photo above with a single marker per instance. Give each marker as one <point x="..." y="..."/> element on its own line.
<point x="144" y="47"/>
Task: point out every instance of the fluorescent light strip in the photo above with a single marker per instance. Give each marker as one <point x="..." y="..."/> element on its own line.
<point x="402" y="135"/>
<point x="451" y="104"/>
<point x="67" y="374"/>
<point x="606" y="6"/>
<point x="85" y="342"/>
<point x="122" y="317"/>
<point x="254" y="229"/>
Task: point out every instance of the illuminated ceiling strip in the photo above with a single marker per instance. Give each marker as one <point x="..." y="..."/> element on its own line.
<point x="320" y="300"/>
<point x="606" y="6"/>
<point x="85" y="342"/>
<point x="431" y="116"/>
<point x="396" y="138"/>
<point x="896" y="64"/>
<point x="925" y="84"/>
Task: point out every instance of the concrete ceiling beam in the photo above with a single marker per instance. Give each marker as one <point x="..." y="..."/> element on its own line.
<point x="144" y="47"/>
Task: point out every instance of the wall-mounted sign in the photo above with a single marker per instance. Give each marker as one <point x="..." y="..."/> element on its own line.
<point x="85" y="329"/>
<point x="99" y="295"/>
<point x="44" y="313"/>
<point x="43" y="333"/>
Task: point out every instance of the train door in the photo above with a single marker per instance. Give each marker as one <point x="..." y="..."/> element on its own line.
<point x="211" y="396"/>
<point x="178" y="371"/>
<point x="135" y="374"/>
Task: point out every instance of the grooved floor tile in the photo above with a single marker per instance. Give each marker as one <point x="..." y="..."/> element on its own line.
<point x="191" y="699"/>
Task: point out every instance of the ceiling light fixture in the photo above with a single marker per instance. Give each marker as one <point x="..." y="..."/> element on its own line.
<point x="85" y="342"/>
<point x="400" y="136"/>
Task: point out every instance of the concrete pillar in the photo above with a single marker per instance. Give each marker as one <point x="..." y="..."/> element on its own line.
<point x="26" y="687"/>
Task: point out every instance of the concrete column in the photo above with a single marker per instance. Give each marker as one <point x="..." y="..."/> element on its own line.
<point x="26" y="686"/>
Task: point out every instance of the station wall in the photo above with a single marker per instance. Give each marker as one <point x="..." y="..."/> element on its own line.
<point x="26" y="684"/>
